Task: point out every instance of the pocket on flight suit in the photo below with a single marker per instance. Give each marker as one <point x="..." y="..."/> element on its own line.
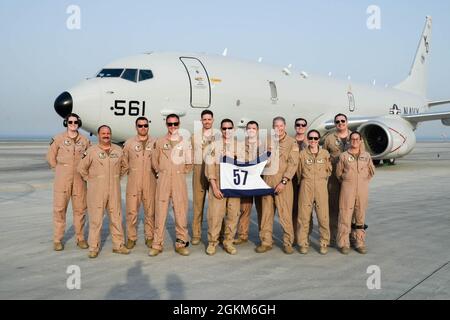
<point x="363" y="167"/>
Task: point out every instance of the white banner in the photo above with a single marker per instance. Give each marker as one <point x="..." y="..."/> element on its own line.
<point x="243" y="179"/>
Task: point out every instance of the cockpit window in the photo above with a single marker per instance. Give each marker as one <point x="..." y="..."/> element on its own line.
<point x="145" y="74"/>
<point x="130" y="74"/>
<point x="110" y="73"/>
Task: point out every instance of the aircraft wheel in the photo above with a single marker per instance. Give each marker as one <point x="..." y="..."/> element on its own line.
<point x="389" y="162"/>
<point x="376" y="162"/>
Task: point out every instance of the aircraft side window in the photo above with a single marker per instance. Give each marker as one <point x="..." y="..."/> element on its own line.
<point x="130" y="74"/>
<point x="145" y="75"/>
<point x="110" y="73"/>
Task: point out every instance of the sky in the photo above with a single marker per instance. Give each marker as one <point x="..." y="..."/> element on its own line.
<point x="41" y="57"/>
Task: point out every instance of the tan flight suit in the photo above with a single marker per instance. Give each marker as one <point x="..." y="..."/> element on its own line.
<point x="355" y="173"/>
<point x="171" y="160"/>
<point x="224" y="211"/>
<point x="102" y="171"/>
<point x="296" y="191"/>
<point x="252" y="151"/>
<point x="141" y="185"/>
<point x="334" y="145"/>
<point x="63" y="156"/>
<point x="313" y="171"/>
<point x="286" y="155"/>
<point x="200" y="184"/>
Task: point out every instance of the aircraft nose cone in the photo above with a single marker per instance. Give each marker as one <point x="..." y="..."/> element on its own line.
<point x="63" y="104"/>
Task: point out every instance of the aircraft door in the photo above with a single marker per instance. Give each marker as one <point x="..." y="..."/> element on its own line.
<point x="200" y="87"/>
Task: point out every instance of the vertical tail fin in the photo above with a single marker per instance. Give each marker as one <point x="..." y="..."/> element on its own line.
<point x="416" y="82"/>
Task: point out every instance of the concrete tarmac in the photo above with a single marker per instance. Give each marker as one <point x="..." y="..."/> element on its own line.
<point x="408" y="245"/>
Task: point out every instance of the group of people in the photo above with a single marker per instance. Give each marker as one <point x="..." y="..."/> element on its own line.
<point x="303" y="177"/>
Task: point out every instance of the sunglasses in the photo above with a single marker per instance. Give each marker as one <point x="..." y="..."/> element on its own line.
<point x="340" y="121"/>
<point x="72" y="122"/>
<point x="172" y="124"/>
<point x="300" y="125"/>
<point x="313" y="138"/>
<point x="142" y="125"/>
<point x="227" y="128"/>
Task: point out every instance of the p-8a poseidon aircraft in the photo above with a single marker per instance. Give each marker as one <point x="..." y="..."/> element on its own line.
<point x="157" y="84"/>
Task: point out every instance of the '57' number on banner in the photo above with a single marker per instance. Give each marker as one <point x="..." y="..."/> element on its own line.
<point x="237" y="176"/>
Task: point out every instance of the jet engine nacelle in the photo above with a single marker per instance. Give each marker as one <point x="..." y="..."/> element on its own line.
<point x="387" y="138"/>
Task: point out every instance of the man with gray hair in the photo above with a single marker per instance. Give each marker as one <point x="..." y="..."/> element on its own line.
<point x="285" y="154"/>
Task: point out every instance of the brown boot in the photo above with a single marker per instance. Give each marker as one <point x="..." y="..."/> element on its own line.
<point x="240" y="240"/>
<point x="303" y="249"/>
<point x="58" y="246"/>
<point x="288" y="249"/>
<point x="211" y="249"/>
<point x="182" y="251"/>
<point x="230" y="249"/>
<point x="345" y="250"/>
<point x="148" y="243"/>
<point x="361" y="250"/>
<point x="195" y="241"/>
<point x="323" y="250"/>
<point x="154" y="252"/>
<point x="130" y="244"/>
<point x="82" y="244"/>
<point x="122" y="250"/>
<point x="93" y="254"/>
<point x="263" y="248"/>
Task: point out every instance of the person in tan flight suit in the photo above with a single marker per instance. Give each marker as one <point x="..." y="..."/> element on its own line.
<point x="300" y="137"/>
<point x="221" y="208"/>
<point x="171" y="161"/>
<point x="200" y="185"/>
<point x="354" y="170"/>
<point x="336" y="143"/>
<point x="101" y="167"/>
<point x="64" y="154"/>
<point x="285" y="155"/>
<point x="141" y="183"/>
<point x="254" y="148"/>
<point x="314" y="168"/>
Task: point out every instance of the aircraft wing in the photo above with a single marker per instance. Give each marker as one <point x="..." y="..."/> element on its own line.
<point x="444" y="116"/>
<point x="355" y="122"/>
<point x="438" y="103"/>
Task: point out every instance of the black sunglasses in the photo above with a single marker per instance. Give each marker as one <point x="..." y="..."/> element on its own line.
<point x="340" y="121"/>
<point x="172" y="124"/>
<point x="227" y="128"/>
<point x="72" y="122"/>
<point x="300" y="125"/>
<point x="142" y="125"/>
<point x="313" y="138"/>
